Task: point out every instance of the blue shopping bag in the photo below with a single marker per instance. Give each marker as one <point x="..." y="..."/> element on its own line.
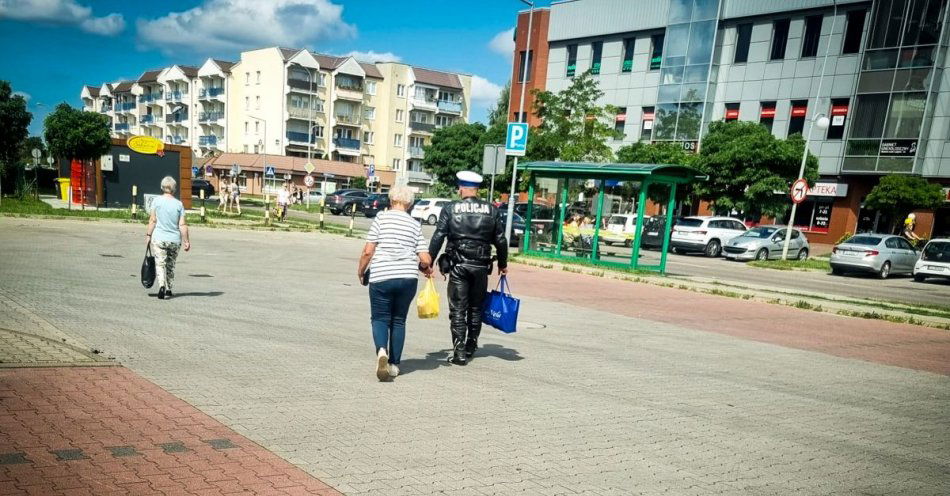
<point x="501" y="309"/>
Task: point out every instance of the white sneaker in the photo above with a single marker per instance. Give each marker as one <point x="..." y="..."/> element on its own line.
<point x="393" y="370"/>
<point x="382" y="364"/>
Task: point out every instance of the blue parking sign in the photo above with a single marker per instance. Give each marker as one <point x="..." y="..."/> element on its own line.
<point x="516" y="141"/>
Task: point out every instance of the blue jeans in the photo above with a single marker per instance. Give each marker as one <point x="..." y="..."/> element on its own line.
<point x="389" y="303"/>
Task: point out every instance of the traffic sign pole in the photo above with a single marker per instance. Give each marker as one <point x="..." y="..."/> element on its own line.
<point x="514" y="169"/>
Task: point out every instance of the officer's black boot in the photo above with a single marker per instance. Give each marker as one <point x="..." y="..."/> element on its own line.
<point x="458" y="354"/>
<point x="470" y="346"/>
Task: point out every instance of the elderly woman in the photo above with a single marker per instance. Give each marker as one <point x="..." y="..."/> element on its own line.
<point x="394" y="254"/>
<point x="167" y="232"/>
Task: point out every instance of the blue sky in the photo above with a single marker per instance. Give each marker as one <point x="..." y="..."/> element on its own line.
<point x="50" y="48"/>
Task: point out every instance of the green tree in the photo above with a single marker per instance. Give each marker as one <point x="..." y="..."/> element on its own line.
<point x="898" y="195"/>
<point x="453" y="149"/>
<point x="658" y="153"/>
<point x="14" y="121"/>
<point x="746" y="166"/>
<point x="498" y="114"/>
<point x="358" y="182"/>
<point x="74" y="134"/>
<point x="573" y="124"/>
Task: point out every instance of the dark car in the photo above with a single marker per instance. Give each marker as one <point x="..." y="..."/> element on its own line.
<point x="538" y="212"/>
<point x="375" y="203"/>
<point x="517" y="228"/>
<point x="198" y="184"/>
<point x="653" y="228"/>
<point x="346" y="200"/>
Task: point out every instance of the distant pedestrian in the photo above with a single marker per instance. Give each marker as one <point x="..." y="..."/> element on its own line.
<point x="236" y="195"/>
<point x="283" y="201"/>
<point x="224" y="194"/>
<point x="910" y="223"/>
<point x="394" y="254"/>
<point x="167" y="232"/>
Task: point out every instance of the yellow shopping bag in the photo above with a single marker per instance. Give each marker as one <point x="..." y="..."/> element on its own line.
<point x="428" y="301"/>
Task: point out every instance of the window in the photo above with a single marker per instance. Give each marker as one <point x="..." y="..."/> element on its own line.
<point x="416" y="141"/>
<point x="399" y="115"/>
<point x="732" y="112"/>
<point x="257" y="127"/>
<point x="258" y="77"/>
<point x="646" y="132"/>
<point x="256" y="149"/>
<point x="444" y="120"/>
<point x="322" y="80"/>
<point x="246" y="127"/>
<point x="370" y="87"/>
<point x="368" y="137"/>
<point x="767" y="115"/>
<point x="257" y="102"/>
<point x="812" y="35"/>
<point x="628" y="46"/>
<point x="396" y="163"/>
<point x="247" y="103"/>
<point x="401" y="90"/>
<point x="521" y="66"/>
<point x="779" y="39"/>
<point x="397" y="140"/>
<point x="620" y="121"/>
<point x="656" y="53"/>
<point x="743" y="40"/>
<point x="571" y="60"/>
<point x="597" y="50"/>
<point x="839" y="113"/>
<point x="318" y="131"/>
<point x="905" y="116"/>
<point x="796" y="120"/>
<point x="318" y="105"/>
<point x="247" y="78"/>
<point x="245" y="148"/>
<point x="369" y="113"/>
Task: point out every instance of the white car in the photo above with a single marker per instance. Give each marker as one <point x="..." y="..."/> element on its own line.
<point x="705" y="234"/>
<point x="621" y="229"/>
<point x="428" y="210"/>
<point x="934" y="260"/>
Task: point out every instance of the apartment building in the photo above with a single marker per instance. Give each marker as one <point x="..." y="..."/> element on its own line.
<point x="673" y="66"/>
<point x="293" y="102"/>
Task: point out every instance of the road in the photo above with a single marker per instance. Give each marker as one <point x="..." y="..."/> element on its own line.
<point x="609" y="387"/>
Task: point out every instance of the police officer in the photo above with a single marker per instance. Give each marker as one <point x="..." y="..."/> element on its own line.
<point x="472" y="227"/>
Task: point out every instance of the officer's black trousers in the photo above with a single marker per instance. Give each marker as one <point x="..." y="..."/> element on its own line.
<point x="467" y="286"/>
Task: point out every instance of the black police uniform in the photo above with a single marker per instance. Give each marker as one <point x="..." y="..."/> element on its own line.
<point x="472" y="227"/>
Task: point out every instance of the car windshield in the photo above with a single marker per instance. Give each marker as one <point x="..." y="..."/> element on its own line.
<point x="937" y="251"/>
<point x="617" y="219"/>
<point x="864" y="241"/>
<point x="758" y="232"/>
<point x="688" y="222"/>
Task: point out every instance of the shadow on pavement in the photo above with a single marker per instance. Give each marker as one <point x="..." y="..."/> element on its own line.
<point x="439" y="359"/>
<point x="193" y="293"/>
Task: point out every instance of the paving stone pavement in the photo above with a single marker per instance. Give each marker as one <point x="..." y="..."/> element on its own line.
<point x="268" y="333"/>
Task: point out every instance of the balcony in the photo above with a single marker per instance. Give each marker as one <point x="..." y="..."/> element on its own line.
<point x="177" y="96"/>
<point x="150" y="119"/>
<point x="422" y="127"/>
<point x="177" y="117"/>
<point x="425" y="102"/>
<point x="207" y="141"/>
<point x="348" y="143"/>
<point x="300" y="137"/>
<point x="348" y="119"/>
<point x="450" y="107"/>
<point x="417" y="176"/>
<point x="416" y="152"/>
<point x="303" y="113"/>
<point x="349" y="91"/>
<point x="210" y="116"/>
<point x="206" y="93"/>
<point x="150" y="97"/>
<point x="303" y="84"/>
<point x="121" y="126"/>
<point x="105" y="107"/>
<point x="127" y="106"/>
<point x="175" y="140"/>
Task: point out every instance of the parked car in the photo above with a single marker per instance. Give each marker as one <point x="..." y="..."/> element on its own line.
<point x="316" y="196"/>
<point x="428" y="210"/>
<point x="881" y="254"/>
<point x="538" y="212"/>
<point x="934" y="260"/>
<point x="653" y="229"/>
<point x="517" y="228"/>
<point x="621" y="230"/>
<point x="705" y="234"/>
<point x="374" y="203"/>
<point x="199" y="184"/>
<point x="765" y="243"/>
<point x="346" y="200"/>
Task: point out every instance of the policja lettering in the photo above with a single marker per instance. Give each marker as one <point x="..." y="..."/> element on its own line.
<point x="472" y="208"/>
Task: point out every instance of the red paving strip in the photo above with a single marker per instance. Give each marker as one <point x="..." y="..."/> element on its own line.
<point x="902" y="345"/>
<point x="168" y="445"/>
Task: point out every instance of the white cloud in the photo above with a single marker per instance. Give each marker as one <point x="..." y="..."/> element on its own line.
<point x="503" y="43"/>
<point x="484" y="91"/>
<point x="233" y="25"/>
<point x="372" y="56"/>
<point x="26" y="96"/>
<point x="67" y="12"/>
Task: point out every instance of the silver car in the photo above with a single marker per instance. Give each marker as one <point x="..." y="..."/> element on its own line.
<point x="881" y="254"/>
<point x="765" y="243"/>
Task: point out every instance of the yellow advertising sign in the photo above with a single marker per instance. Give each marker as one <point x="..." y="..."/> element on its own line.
<point x="147" y="145"/>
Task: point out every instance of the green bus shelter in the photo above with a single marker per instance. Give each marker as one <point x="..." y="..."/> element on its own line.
<point x="596" y="211"/>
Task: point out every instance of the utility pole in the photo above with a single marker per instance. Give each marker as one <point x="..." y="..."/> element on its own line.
<point x="514" y="169"/>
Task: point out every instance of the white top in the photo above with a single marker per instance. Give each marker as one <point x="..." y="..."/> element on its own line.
<point x="399" y="241"/>
<point x="283" y="196"/>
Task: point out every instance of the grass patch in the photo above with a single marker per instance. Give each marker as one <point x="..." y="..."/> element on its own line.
<point x="807" y="264"/>
<point x="584" y="263"/>
<point x="891" y="318"/>
<point x="30" y="207"/>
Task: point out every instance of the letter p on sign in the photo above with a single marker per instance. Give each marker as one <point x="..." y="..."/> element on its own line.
<point x="517" y="141"/>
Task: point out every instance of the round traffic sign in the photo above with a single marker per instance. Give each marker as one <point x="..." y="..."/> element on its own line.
<point x="308" y="181"/>
<point x="799" y="190"/>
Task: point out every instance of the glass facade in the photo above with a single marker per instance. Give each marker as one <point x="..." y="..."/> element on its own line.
<point x="685" y="72"/>
<point x="894" y="88"/>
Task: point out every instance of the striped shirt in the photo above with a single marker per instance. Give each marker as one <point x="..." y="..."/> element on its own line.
<point x="399" y="240"/>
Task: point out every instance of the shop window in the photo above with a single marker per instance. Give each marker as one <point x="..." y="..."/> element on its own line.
<point x="853" y="30"/>
<point x="732" y="112"/>
<point x="797" y="116"/>
<point x="839" y="114"/>
<point x="597" y="50"/>
<point x="779" y="39"/>
<point x="656" y="53"/>
<point x="646" y="132"/>
<point x="812" y="215"/>
<point x="628" y="45"/>
<point x="812" y="35"/>
<point x="767" y="115"/>
<point x="743" y="40"/>
<point x="571" y="60"/>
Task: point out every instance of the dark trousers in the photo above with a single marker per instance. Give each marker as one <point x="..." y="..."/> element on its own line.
<point x="389" y="304"/>
<point x="466" y="291"/>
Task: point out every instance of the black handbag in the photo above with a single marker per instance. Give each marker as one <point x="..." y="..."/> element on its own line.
<point x="148" y="268"/>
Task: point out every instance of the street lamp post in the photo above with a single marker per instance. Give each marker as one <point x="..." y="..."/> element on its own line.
<point x="818" y="119"/>
<point x="514" y="169"/>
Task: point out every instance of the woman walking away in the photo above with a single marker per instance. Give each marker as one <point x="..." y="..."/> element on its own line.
<point x="236" y="195"/>
<point x="223" y="194"/>
<point x="168" y="233"/>
<point x="395" y="252"/>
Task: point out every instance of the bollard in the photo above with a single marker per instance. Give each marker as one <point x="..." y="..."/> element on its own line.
<point x="135" y="190"/>
<point x="266" y="210"/>
<point x="201" y="193"/>
<point x="323" y="204"/>
<point x="352" y="218"/>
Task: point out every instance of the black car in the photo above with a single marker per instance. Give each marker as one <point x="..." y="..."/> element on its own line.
<point x="374" y="204"/>
<point x="346" y="200"/>
<point x="653" y="228"/>
<point x="538" y="212"/>
<point x="517" y="228"/>
<point x="199" y="184"/>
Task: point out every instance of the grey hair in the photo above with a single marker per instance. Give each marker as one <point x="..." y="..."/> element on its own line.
<point x="169" y="185"/>
<point x="401" y="194"/>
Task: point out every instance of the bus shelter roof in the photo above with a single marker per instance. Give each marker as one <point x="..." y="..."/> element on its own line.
<point x="661" y="173"/>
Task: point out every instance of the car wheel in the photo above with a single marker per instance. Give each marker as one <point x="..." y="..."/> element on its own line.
<point x="713" y="248"/>
<point x="628" y="243"/>
<point x="432" y="219"/>
<point x="335" y="211"/>
<point x="836" y="271"/>
<point x="803" y="254"/>
<point x="920" y="277"/>
<point x="762" y="254"/>
<point x="885" y="270"/>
